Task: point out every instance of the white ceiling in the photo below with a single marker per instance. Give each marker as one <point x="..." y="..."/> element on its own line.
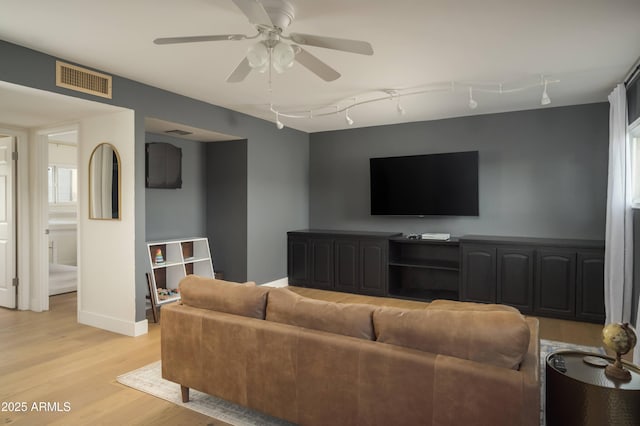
<point x="588" y="45"/>
<point x="27" y="108"/>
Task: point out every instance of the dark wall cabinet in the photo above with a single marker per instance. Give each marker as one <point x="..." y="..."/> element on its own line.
<point x="478" y="273"/>
<point x="321" y="263"/>
<point x="298" y="259"/>
<point x="556" y="283"/>
<point x="590" y="292"/>
<point x="538" y="276"/>
<point x="515" y="278"/>
<point x="355" y="262"/>
<point x="545" y="277"/>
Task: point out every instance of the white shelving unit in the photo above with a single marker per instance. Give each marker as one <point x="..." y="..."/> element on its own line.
<point x="182" y="257"/>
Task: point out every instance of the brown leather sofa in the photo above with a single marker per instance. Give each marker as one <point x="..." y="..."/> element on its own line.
<point x="319" y="363"/>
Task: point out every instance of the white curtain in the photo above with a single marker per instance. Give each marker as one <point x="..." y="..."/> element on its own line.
<point x="618" y="263"/>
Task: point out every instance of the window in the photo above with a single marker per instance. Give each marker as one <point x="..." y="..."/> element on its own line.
<point x="63" y="184"/>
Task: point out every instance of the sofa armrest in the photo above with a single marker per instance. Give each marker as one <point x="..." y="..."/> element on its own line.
<point x="530" y="368"/>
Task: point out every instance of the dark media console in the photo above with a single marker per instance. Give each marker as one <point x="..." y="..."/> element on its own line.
<point x="557" y="278"/>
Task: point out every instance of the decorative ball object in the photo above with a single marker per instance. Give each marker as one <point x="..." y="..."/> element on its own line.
<point x="620" y="338"/>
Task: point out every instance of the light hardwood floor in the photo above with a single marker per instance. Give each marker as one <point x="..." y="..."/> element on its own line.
<point x="49" y="357"/>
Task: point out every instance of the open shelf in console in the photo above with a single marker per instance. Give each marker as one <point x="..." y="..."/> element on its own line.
<point x="424" y="269"/>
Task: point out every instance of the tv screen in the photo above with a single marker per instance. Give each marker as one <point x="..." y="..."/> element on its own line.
<point x="420" y="185"/>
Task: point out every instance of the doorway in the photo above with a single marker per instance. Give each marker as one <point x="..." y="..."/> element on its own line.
<point x="8" y="220"/>
<point x="62" y="215"/>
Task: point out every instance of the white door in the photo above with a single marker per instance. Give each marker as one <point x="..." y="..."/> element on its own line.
<point x="7" y="224"/>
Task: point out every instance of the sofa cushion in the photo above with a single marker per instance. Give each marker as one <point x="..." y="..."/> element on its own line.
<point x="496" y="337"/>
<point x="348" y="319"/>
<point x="246" y="299"/>
<point x="453" y="305"/>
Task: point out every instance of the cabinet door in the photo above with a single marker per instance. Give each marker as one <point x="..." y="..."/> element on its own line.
<point x="590" y="287"/>
<point x="298" y="261"/>
<point x="478" y="273"/>
<point x="515" y="278"/>
<point x="347" y="256"/>
<point x="555" y="283"/>
<point x="321" y="263"/>
<point x="373" y="267"/>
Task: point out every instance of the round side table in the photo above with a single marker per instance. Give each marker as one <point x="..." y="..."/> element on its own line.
<point x="584" y="395"/>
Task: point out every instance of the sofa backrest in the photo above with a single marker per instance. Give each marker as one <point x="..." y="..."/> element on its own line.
<point x="348" y="319"/>
<point x="497" y="336"/>
<point x="245" y="299"/>
<point x="491" y="334"/>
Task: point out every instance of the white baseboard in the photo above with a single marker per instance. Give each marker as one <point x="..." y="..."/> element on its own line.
<point x="282" y="282"/>
<point x="116" y="325"/>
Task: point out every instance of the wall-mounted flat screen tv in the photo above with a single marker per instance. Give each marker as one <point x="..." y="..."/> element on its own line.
<point x="163" y="165"/>
<point x="421" y="185"/>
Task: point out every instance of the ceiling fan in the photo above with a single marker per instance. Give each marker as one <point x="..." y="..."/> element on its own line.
<point x="271" y="18"/>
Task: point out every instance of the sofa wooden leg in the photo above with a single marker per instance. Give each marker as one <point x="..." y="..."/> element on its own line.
<point x="185" y="393"/>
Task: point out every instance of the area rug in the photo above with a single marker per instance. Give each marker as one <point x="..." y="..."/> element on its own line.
<point x="149" y="379"/>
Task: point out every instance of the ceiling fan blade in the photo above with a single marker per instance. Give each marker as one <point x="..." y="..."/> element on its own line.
<point x="254" y="10"/>
<point x="193" y="39"/>
<point x="315" y="65"/>
<point x="240" y="73"/>
<point x="353" y="46"/>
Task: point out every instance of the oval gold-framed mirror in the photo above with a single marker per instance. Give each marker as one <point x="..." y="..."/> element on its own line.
<point x="104" y="183"/>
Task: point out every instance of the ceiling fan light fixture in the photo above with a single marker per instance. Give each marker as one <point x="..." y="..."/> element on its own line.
<point x="282" y="57"/>
<point x="258" y="55"/>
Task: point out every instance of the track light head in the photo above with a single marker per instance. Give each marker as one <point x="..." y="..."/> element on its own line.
<point x="400" y="109"/>
<point x="347" y="118"/>
<point x="546" y="100"/>
<point x="279" y="124"/>
<point x="472" y="103"/>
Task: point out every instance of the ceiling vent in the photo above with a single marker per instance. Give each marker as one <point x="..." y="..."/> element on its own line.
<point x="178" y="132"/>
<point x="83" y="80"/>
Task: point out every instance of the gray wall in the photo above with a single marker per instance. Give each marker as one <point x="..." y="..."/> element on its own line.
<point x="30" y="68"/>
<point x="278" y="185"/>
<point x="179" y="213"/>
<point x="227" y="207"/>
<point x="542" y="173"/>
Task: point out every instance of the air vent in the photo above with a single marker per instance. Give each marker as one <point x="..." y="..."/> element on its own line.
<point x="178" y="132"/>
<point x="83" y="80"/>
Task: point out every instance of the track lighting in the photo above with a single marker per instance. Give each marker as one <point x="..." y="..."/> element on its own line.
<point x="546" y="100"/>
<point x="347" y="118"/>
<point x="279" y="124"/>
<point x="472" y="103"/>
<point x="498" y="88"/>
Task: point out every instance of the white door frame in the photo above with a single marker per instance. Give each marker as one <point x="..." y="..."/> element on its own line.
<point x="40" y="209"/>
<point x="22" y="217"/>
